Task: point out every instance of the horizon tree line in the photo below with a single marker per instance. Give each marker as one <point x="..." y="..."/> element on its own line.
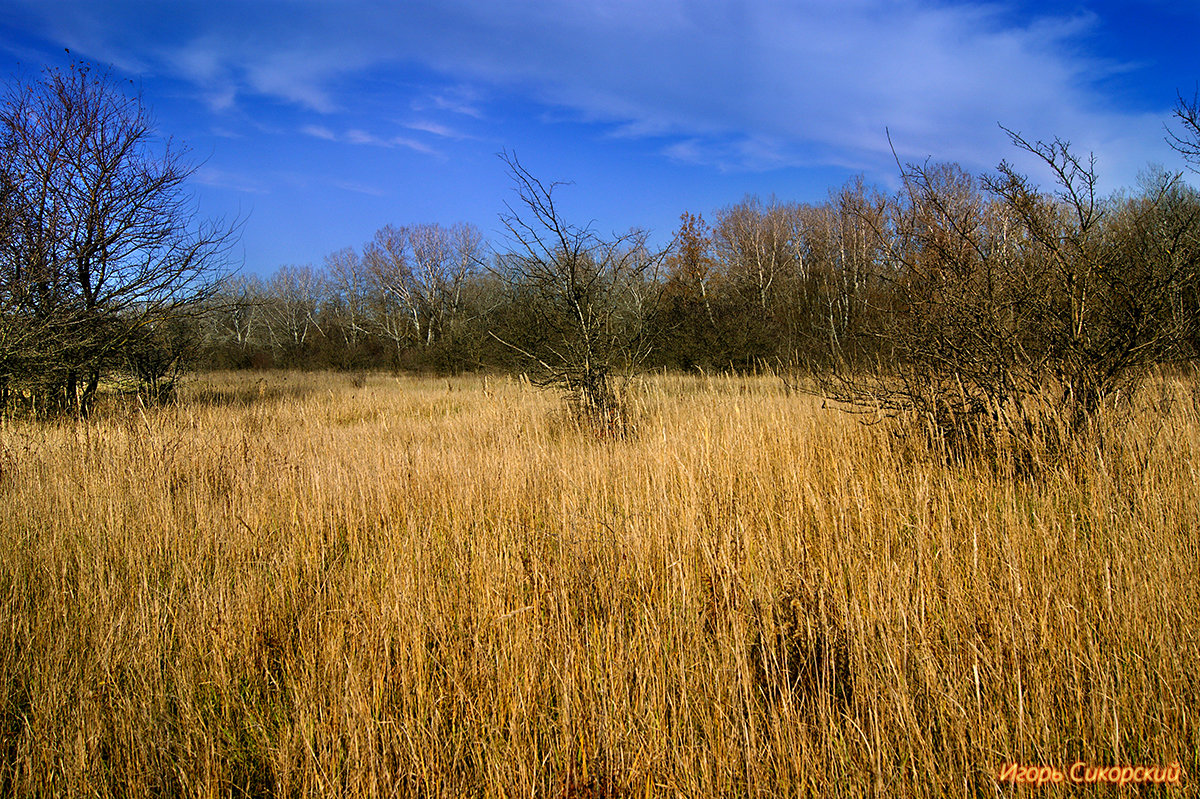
<point x="960" y="296"/>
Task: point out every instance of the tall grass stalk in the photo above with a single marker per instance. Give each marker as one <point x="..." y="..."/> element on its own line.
<point x="295" y="585"/>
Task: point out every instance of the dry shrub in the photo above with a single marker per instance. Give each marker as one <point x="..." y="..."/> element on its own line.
<point x="801" y="654"/>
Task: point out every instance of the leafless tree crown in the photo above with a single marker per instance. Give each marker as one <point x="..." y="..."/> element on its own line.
<point x="592" y="300"/>
<point x="102" y="242"/>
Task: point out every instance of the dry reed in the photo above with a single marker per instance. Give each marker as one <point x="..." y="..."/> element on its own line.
<point x="294" y="585"/>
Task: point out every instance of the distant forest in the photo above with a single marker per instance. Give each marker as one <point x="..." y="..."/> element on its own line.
<point x="963" y="295"/>
<point x="757" y="284"/>
<point x="762" y="281"/>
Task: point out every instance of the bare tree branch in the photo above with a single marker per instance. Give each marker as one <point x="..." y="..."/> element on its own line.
<point x="594" y="300"/>
<point x="103" y="238"/>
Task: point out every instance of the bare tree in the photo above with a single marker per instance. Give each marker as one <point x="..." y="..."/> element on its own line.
<point x="102" y="238"/>
<point x="349" y="291"/>
<point x="755" y="242"/>
<point x="234" y="322"/>
<point x="1185" y="139"/>
<point x="395" y="312"/>
<point x="237" y="315"/>
<point x="1112" y="268"/>
<point x="443" y="260"/>
<point x="295" y="296"/>
<point x="1007" y="305"/>
<point x="951" y="325"/>
<point x="159" y="353"/>
<point x="592" y="301"/>
<point x="418" y="276"/>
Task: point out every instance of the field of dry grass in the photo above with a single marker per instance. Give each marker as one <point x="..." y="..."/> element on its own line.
<point x="295" y="585"/>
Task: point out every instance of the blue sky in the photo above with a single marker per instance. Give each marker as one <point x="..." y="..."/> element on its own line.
<point x="319" y="122"/>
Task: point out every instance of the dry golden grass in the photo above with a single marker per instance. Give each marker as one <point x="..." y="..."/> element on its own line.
<point x="291" y="585"/>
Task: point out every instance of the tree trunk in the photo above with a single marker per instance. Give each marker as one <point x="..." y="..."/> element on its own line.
<point x="88" y="398"/>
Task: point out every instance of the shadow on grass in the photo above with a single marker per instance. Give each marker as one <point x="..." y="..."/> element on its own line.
<point x="245" y="392"/>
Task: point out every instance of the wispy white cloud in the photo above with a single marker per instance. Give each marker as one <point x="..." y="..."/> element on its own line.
<point x="412" y="144"/>
<point x="361" y="137"/>
<point x="734" y="84"/>
<point x="359" y="188"/>
<point x="300" y="75"/>
<point x="355" y="136"/>
<point x="460" y="99"/>
<point x="435" y="129"/>
<point x="319" y="132"/>
<point x="203" y="66"/>
<point x="223" y="179"/>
